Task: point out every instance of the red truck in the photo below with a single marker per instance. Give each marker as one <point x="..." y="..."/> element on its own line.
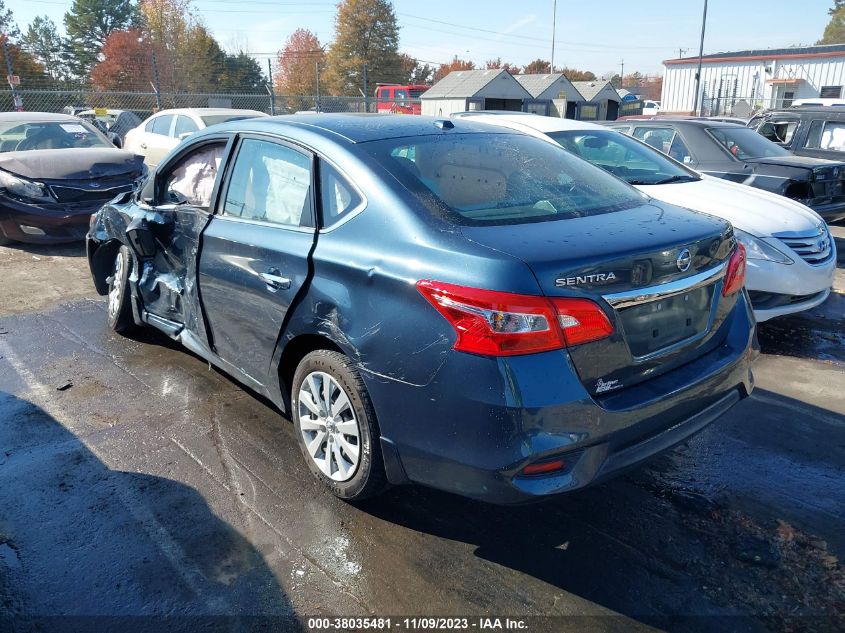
<point x="399" y="99"/>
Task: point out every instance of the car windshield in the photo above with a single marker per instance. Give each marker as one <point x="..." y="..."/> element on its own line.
<point x="214" y="119"/>
<point x="35" y="135"/>
<point x="745" y="143"/>
<point x="623" y="156"/>
<point x="491" y="179"/>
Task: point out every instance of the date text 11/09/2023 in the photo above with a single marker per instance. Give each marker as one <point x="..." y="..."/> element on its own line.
<point x="416" y="624"/>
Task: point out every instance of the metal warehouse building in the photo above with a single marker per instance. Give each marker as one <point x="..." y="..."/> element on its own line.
<point x="736" y="83"/>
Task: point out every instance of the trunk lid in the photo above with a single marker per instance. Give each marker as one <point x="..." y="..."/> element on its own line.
<point x="656" y="270"/>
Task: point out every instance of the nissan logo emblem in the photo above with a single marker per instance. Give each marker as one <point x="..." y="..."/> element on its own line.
<point x="684" y="260"/>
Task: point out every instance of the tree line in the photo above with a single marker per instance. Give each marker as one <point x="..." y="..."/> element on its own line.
<point x="164" y="45"/>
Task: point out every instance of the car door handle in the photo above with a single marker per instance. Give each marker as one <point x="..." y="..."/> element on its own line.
<point x="274" y="280"/>
<point x="143" y="146"/>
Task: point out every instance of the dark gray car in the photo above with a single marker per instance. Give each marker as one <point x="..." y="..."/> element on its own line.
<point x="739" y="154"/>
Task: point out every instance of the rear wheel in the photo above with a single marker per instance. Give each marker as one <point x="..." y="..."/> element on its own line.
<point x="119" y="313"/>
<point x="335" y="425"/>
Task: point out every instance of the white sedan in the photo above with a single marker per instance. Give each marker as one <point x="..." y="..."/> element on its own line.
<point x="164" y="130"/>
<point x="791" y="255"/>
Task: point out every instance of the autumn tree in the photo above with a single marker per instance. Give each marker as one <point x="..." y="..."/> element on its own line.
<point x="538" y="67"/>
<point x="493" y="64"/>
<point x="89" y="23"/>
<point x="573" y="74"/>
<point x="834" y="32"/>
<point x="126" y="63"/>
<point x="366" y="41"/>
<point x="455" y="64"/>
<point x="297" y="64"/>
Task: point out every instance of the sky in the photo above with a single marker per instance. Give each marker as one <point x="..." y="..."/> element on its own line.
<point x="594" y="36"/>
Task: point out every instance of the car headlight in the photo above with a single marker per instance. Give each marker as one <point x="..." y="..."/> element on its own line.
<point x="756" y="248"/>
<point x="24" y="188"/>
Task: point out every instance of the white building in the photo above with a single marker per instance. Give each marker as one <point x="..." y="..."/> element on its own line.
<point x="739" y="82"/>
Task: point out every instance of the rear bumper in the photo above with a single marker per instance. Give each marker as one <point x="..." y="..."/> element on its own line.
<point x="481" y="421"/>
<point x="29" y="223"/>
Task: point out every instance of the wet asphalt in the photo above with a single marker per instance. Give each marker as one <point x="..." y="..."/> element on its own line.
<point x="137" y="481"/>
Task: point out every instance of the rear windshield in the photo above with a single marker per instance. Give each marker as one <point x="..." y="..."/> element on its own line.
<point x="214" y="119"/>
<point x="622" y="156"/>
<point x="745" y="143"/>
<point x="35" y="135"/>
<point x="488" y="179"/>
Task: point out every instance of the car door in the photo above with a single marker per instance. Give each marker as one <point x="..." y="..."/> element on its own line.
<point x="176" y="207"/>
<point x="256" y="250"/>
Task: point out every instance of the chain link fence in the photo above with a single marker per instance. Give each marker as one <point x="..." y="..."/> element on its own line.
<point x="145" y="103"/>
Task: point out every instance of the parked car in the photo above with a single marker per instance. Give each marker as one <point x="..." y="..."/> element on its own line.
<point x="651" y="107"/>
<point x="791" y="255"/>
<point x="164" y="130"/>
<point x="115" y="123"/>
<point x="452" y="304"/>
<point x="806" y="131"/>
<point x="55" y="171"/>
<point x="738" y="154"/>
<point x="399" y="98"/>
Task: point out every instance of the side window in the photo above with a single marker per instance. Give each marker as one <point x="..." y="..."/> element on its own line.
<point x="192" y="179"/>
<point x="161" y="125"/>
<point x="660" y="138"/>
<point x="337" y="197"/>
<point x="779" y="131"/>
<point x="271" y="183"/>
<point x="184" y="125"/>
<point x="833" y="136"/>
<point x="678" y="150"/>
<point x="383" y="93"/>
<point x="814" y="136"/>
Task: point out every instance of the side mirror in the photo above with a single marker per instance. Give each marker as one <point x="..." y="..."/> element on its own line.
<point x="184" y="135"/>
<point x="115" y="139"/>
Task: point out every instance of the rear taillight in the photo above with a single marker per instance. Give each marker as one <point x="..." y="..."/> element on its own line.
<point x="506" y="324"/>
<point x="735" y="275"/>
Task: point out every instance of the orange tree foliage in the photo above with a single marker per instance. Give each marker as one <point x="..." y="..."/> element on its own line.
<point x="297" y="64"/>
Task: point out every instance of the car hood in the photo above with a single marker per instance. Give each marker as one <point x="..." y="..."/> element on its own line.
<point x="752" y="210"/>
<point x="71" y="164"/>
<point x="794" y="161"/>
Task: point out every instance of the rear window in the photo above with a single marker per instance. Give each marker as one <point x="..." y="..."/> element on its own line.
<point x="490" y="179"/>
<point x="222" y="118"/>
<point x="745" y="143"/>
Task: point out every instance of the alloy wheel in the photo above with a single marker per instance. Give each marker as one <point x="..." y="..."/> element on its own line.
<point x="329" y="426"/>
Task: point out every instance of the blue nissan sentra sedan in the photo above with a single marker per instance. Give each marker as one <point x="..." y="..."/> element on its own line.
<point x="432" y="301"/>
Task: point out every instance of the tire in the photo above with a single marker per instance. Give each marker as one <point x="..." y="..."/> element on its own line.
<point x="119" y="307"/>
<point x="329" y="442"/>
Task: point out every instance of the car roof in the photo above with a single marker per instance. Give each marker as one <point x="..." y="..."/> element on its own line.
<point x="209" y="111"/>
<point x="23" y="117"/>
<point x="679" y="122"/>
<point x="533" y="121"/>
<point x="359" y="128"/>
<point x="811" y="109"/>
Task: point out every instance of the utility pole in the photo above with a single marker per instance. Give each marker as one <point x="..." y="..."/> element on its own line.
<point x="622" y="75"/>
<point x="366" y="94"/>
<point x="681" y="52"/>
<point x="554" y="22"/>
<point x="317" y="71"/>
<point x="155" y="83"/>
<point x="695" y="105"/>
<point x="270" y="88"/>
<point x="16" y="99"/>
